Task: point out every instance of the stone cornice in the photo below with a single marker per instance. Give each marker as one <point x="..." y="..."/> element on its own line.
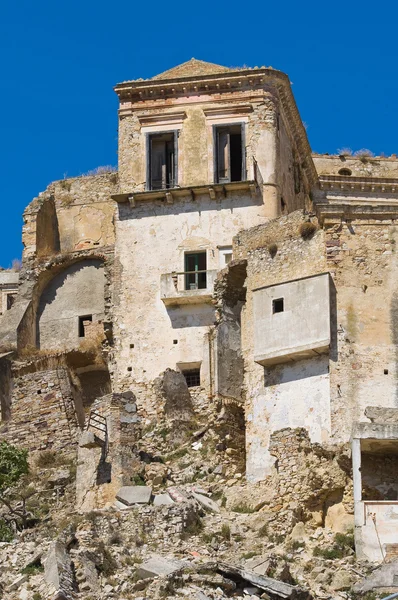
<point x="337" y="212"/>
<point x="362" y="184"/>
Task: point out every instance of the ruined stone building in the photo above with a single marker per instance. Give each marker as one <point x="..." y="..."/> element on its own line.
<point x="224" y="249"/>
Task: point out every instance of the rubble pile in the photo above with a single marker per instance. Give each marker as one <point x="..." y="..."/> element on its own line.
<point x="188" y="525"/>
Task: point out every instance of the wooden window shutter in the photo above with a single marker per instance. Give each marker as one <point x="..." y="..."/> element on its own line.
<point x="223" y="156"/>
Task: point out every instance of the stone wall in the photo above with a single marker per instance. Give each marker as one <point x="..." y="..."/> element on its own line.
<point x="309" y="480"/>
<point x="152" y="239"/>
<point x="76" y="292"/>
<point x="43" y="411"/>
<point x="292" y="395"/>
<point x="71" y="214"/>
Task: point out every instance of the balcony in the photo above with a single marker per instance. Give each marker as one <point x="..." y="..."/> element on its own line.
<point x="187" y="287"/>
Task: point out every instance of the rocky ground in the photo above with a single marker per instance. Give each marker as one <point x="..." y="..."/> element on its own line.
<point x="202" y="533"/>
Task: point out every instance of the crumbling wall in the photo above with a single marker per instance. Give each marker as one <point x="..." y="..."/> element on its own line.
<point x="5" y="387"/>
<point x="75" y="292"/>
<point x="47" y="231"/>
<point x="43" y="412"/>
<point x="295" y="394"/>
<point x="229" y="294"/>
<point x="362" y="257"/>
<point x="71" y="214"/>
<point x="310" y="479"/>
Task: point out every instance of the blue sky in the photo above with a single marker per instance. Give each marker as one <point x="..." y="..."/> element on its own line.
<point x="60" y="60"/>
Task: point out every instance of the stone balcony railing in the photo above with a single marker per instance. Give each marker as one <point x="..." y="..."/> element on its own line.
<point x="178" y="288"/>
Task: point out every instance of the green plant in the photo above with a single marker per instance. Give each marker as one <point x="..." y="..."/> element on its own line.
<point x="176" y="454"/>
<point x="6" y="534"/>
<point x="272" y="249"/>
<point x="194" y="528"/>
<point x="263" y="531"/>
<point x="37" y="596"/>
<point x="207" y="537"/>
<point x="223" y="501"/>
<point x="33" y="569"/>
<point x="115" y="539"/>
<point x="250" y="554"/>
<point x="307" y="230"/>
<point x="108" y="564"/>
<point x="46" y="459"/>
<point x="243" y="508"/>
<point x="225" y="531"/>
<point x="296" y="544"/>
<point x="137" y="480"/>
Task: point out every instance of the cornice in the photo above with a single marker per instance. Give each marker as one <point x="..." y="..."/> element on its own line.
<point x="363" y="184"/>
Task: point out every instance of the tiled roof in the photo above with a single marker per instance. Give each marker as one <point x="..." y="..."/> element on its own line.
<point x="192" y="68"/>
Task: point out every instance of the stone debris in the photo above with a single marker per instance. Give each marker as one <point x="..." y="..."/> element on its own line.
<point x="158" y="566"/>
<point x="58" y="571"/>
<point x="134" y="494"/>
<point x="207" y="503"/>
<point x="162" y="500"/>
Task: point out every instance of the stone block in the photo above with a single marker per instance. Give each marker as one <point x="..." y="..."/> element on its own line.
<point x="87" y="440"/>
<point x="134" y="494"/>
<point x="162" y="500"/>
<point x="207" y="503"/>
<point x="158" y="566"/>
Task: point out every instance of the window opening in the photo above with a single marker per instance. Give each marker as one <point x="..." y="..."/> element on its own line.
<point x="81" y="324"/>
<point x="192" y="377"/>
<point x="278" y="305"/>
<point x="229" y="154"/>
<point x="346" y="172"/>
<point x="10" y="300"/>
<point x="162" y="160"/>
<point x="225" y="256"/>
<point x="195" y="271"/>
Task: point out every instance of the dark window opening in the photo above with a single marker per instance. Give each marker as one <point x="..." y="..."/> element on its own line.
<point x="385" y="371"/>
<point x="81" y="324"/>
<point x="277" y="305"/>
<point x="162" y="160"/>
<point x="195" y="271"/>
<point x="192" y="377"/>
<point x="229" y="154"/>
<point x="10" y="300"/>
<point x="346" y="172"/>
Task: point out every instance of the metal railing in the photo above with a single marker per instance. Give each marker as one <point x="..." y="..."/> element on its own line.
<point x="191" y="285"/>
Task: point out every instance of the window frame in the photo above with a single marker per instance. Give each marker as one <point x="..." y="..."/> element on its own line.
<point x="222" y="252"/>
<point x="186" y="276"/>
<point x="148" y="157"/>
<point x="217" y="126"/>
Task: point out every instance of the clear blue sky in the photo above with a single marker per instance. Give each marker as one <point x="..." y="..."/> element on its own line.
<point x="60" y="60"/>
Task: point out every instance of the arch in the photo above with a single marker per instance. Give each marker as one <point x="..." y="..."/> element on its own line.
<point x="75" y="292"/>
<point x="346" y="172"/>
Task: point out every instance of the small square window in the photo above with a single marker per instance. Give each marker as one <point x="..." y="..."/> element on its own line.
<point x="192" y="377"/>
<point x="278" y="305"/>
<point x="81" y="324"/>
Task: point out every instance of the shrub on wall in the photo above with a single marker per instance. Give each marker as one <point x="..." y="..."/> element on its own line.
<point x="307" y="230"/>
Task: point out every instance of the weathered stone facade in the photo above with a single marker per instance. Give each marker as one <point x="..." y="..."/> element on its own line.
<point x="190" y="258"/>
